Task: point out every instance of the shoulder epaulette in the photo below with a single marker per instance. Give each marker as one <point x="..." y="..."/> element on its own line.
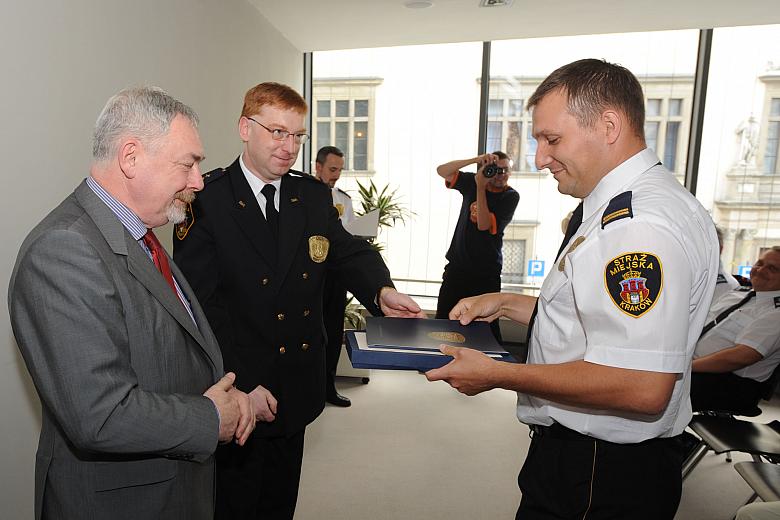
<point x="303" y="175"/>
<point x="343" y="192"/>
<point x="213" y="175"/>
<point x="618" y="208"/>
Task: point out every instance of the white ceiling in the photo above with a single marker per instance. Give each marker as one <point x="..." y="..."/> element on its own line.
<point x="316" y="25"/>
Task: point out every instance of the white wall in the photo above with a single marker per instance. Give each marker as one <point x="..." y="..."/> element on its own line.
<point x="59" y="63"/>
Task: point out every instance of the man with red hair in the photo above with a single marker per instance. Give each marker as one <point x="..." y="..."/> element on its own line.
<point x="256" y="247"/>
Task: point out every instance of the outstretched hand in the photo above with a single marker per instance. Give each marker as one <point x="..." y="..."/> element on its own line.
<point x="470" y="372"/>
<point x="485" y="307"/>
<point x="398" y="305"/>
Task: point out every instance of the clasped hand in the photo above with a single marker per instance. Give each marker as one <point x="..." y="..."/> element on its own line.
<point x="236" y="414"/>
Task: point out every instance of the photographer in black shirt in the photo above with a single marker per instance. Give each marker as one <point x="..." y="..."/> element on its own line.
<point x="474" y="257"/>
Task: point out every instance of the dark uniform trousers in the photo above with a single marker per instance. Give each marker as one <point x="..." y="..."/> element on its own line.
<point x="569" y="475"/>
<point x="267" y="469"/>
<point x="262" y="295"/>
<point x="458" y="284"/>
<point x="334" y="303"/>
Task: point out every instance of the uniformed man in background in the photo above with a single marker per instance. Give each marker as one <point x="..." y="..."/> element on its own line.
<point x="327" y="168"/>
<point x="258" y="242"/>
<point x="606" y="386"/>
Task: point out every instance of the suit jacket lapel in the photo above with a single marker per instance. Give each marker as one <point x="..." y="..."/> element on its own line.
<point x="292" y="221"/>
<point x="139" y="264"/>
<point x="249" y="217"/>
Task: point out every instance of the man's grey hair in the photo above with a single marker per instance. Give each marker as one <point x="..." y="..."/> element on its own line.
<point x="143" y="112"/>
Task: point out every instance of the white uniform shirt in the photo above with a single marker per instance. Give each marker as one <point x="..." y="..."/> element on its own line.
<point x="755" y="324"/>
<point x="257" y="185"/>
<point x="581" y="314"/>
<point x="343" y="204"/>
<point x="725" y="283"/>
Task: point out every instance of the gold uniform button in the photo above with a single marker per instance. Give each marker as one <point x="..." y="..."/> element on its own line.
<point x="305" y="346"/>
<point x="264" y="281"/>
<point x="306" y="312"/>
<point x="282" y="350"/>
<point x="280" y="316"/>
<point x="305" y="276"/>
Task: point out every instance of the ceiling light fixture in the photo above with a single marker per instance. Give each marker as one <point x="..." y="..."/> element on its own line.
<point x="418" y="4"/>
<point x="495" y="3"/>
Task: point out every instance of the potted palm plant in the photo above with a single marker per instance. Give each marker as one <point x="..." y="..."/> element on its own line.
<point x="390" y="212"/>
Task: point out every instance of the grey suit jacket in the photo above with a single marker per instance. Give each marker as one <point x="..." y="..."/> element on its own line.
<point x="120" y="369"/>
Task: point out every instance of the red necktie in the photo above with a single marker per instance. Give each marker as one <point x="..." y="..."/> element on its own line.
<point x="159" y="258"/>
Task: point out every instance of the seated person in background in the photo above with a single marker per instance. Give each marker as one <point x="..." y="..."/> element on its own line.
<point x="726" y="282"/>
<point x="739" y="347"/>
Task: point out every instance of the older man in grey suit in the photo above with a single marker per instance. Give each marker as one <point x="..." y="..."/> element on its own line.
<point x="118" y="347"/>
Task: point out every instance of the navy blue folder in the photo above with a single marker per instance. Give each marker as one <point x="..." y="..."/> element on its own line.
<point x="423" y="334"/>
<point x="362" y="355"/>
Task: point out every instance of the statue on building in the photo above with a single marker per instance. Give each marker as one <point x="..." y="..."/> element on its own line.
<point x="748" y="141"/>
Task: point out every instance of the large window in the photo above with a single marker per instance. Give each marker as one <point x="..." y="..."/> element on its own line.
<point x="422" y="111"/>
<point x="739" y="178"/>
<point x="517" y="68"/>
<point x="420" y="108"/>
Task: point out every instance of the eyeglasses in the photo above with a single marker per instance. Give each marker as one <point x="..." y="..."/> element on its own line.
<point x="277" y="134"/>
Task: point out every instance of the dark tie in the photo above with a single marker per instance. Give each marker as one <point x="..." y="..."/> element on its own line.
<point x="723" y="315"/>
<point x="571" y="228"/>
<point x="159" y="258"/>
<point x="271" y="215"/>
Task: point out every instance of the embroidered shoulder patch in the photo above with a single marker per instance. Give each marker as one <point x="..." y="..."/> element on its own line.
<point x="619" y="207"/>
<point x="634" y="282"/>
<point x="183" y="227"/>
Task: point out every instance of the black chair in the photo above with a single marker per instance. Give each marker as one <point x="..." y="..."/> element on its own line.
<point x="764" y="479"/>
<point x="695" y="456"/>
<point x="724" y="434"/>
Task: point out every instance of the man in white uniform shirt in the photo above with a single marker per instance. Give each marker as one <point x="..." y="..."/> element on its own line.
<point x="327" y="167"/>
<point x="740" y="346"/>
<point x="607" y="380"/>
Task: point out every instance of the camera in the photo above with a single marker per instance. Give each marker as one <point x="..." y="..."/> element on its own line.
<point x="491" y="170"/>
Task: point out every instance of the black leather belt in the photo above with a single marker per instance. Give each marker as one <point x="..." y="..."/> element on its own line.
<point x="558" y="431"/>
<point x="561" y="432"/>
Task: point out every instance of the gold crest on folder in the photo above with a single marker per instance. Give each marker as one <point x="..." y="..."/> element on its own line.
<point x="453" y="337"/>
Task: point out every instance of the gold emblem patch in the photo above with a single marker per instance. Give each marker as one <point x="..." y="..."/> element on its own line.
<point x="634" y="282"/>
<point x="183" y="227"/>
<point x="340" y="209"/>
<point x="453" y="337"/>
<point x="318" y="248"/>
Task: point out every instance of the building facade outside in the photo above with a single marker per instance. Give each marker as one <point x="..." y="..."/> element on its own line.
<point x="399" y="112"/>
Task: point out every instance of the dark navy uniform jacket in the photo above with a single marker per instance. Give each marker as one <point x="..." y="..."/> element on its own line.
<point x="263" y="296"/>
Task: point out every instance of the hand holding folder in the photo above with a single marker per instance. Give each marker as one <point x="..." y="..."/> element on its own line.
<point x="414" y="344"/>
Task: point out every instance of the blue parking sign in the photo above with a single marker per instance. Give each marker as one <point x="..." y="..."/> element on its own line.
<point x="536" y="268"/>
<point x="744" y="270"/>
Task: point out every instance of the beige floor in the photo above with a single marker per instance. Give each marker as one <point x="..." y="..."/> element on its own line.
<point x="409" y="449"/>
